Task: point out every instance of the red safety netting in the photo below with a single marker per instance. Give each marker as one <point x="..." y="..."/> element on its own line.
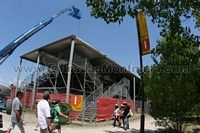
<point x="27" y="101"/>
<point x="105" y="107"/>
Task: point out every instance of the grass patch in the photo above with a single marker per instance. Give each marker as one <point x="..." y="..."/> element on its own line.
<point x="29" y="111"/>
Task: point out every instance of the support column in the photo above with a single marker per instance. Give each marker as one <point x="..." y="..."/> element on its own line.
<point x="69" y="70"/>
<point x="134" y="95"/>
<point x="84" y="101"/>
<point x="35" y="81"/>
<point x="19" y="72"/>
<point x="57" y="72"/>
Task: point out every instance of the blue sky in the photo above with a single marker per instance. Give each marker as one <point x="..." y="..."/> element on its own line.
<point x="119" y="42"/>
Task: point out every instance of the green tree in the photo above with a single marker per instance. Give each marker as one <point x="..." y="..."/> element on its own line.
<point x="196" y="13"/>
<point x="172" y="82"/>
<point x="167" y="14"/>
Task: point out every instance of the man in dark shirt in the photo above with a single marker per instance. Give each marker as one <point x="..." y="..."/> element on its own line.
<point x="127" y="111"/>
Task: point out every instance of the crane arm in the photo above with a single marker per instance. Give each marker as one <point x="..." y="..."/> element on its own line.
<point x="9" y="49"/>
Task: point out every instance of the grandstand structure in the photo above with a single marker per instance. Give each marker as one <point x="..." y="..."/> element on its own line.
<point x="72" y="66"/>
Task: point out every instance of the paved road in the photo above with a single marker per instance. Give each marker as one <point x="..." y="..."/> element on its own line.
<point x="77" y="126"/>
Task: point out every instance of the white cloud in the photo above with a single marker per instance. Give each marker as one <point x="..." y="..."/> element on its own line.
<point x="19" y="83"/>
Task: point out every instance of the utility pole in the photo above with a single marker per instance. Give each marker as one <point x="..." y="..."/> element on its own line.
<point x="144" y="48"/>
<point x="142" y="118"/>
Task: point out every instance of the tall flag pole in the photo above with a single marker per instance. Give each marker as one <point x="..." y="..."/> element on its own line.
<point x="144" y="48"/>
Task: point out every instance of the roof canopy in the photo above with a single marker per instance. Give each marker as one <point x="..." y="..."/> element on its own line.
<point x="50" y="52"/>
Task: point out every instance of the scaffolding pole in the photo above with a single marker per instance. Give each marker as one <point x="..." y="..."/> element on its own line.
<point x="35" y="81"/>
<point x="84" y="102"/>
<point x="134" y="94"/>
<point x="69" y="71"/>
<point x="19" y="72"/>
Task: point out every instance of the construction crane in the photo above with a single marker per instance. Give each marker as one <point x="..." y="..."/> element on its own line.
<point x="9" y="49"/>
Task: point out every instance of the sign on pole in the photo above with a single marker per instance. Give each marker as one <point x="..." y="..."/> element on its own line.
<point x="144" y="37"/>
<point x="76" y="101"/>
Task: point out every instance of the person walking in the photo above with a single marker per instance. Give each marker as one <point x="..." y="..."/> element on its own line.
<point x="16" y="113"/>
<point x="127" y="111"/>
<point x="44" y="116"/>
<point x="58" y="113"/>
<point x="36" y="127"/>
<point x="116" y="116"/>
<point x="121" y="110"/>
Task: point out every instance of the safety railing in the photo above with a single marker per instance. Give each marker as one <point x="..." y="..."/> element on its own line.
<point x="90" y="104"/>
<point x="118" y="89"/>
<point x="124" y="82"/>
<point x="121" y="88"/>
<point x="94" y="95"/>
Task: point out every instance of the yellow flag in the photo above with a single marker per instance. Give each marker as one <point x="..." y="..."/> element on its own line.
<point x="143" y="33"/>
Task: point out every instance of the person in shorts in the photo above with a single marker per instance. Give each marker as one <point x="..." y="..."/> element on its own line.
<point x="56" y="120"/>
<point x="16" y="113"/>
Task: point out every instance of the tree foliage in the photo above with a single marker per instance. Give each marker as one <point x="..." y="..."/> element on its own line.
<point x="196" y="14"/>
<point x="168" y="14"/>
<point x="172" y="83"/>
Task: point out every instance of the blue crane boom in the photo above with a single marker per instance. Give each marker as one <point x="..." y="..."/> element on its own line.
<point x="9" y="49"/>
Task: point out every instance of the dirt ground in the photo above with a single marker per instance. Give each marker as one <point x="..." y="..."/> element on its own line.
<point x="79" y="127"/>
<point x="98" y="127"/>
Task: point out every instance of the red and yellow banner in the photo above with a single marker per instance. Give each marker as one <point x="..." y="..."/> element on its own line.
<point x="76" y="101"/>
<point x="143" y="33"/>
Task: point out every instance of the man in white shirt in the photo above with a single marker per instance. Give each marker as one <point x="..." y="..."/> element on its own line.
<point x="44" y="116"/>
